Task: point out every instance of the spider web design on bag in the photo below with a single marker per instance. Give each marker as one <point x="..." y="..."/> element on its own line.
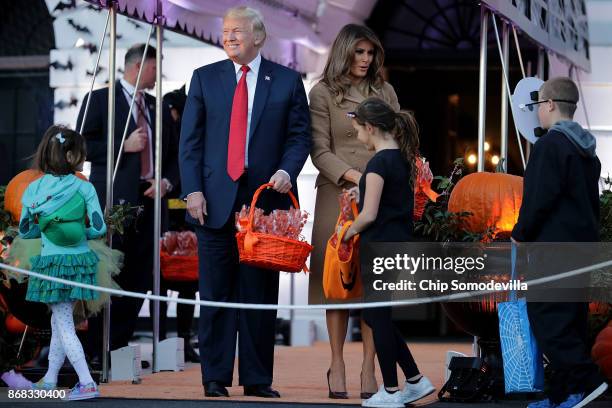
<point x="520" y="367"/>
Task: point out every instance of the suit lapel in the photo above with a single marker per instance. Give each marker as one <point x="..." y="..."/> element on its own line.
<point x="122" y="107"/>
<point x="262" y="90"/>
<point x="227" y="75"/>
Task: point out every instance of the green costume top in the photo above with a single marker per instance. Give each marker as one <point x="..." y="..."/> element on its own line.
<point x="64" y="211"/>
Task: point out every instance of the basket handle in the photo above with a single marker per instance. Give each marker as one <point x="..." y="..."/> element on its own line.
<point x="343" y="231"/>
<point x="355" y="209"/>
<point x="263" y="187"/>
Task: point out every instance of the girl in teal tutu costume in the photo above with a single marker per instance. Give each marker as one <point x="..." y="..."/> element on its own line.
<point x="65" y="213"/>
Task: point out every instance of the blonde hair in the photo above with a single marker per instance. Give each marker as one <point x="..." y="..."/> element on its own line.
<point x="251" y="14"/>
<point x="336" y="74"/>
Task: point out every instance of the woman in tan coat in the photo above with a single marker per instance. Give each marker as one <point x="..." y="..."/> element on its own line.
<point x="352" y="73"/>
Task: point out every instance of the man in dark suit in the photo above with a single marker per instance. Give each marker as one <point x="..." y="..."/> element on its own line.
<point x="246" y="123"/>
<point x="134" y="184"/>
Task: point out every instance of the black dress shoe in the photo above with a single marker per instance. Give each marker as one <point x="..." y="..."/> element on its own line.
<point x="263" y="391"/>
<point x="215" y="389"/>
<point x="191" y="355"/>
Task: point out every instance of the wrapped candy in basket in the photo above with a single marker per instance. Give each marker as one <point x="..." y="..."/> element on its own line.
<point x="179" y="256"/>
<point x="422" y="188"/>
<point x="272" y="241"/>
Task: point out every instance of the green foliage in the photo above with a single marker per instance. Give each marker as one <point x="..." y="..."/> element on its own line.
<point x="5" y="216"/>
<point x="120" y="216"/>
<point x="442" y="225"/>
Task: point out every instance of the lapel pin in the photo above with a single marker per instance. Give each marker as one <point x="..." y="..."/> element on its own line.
<point x="267" y="78"/>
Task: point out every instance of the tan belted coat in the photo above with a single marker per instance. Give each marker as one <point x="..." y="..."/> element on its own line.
<point x="335" y="150"/>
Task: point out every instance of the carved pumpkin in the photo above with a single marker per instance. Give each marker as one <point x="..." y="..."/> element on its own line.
<point x="494" y="199"/>
<point x="14" y="325"/>
<point x="17" y="186"/>
<point x="602" y="351"/>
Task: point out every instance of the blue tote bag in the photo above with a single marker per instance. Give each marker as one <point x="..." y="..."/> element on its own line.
<point x="523" y="365"/>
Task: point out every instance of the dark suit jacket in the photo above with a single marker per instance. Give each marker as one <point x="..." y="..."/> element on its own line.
<point x="95" y="132"/>
<point x="280" y="136"/>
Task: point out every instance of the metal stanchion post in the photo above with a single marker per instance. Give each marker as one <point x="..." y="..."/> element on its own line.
<point x="158" y="170"/>
<point x="110" y="158"/>
<point x="504" y="99"/>
<point x="482" y="87"/>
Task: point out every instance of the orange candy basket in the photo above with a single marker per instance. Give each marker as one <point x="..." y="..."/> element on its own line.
<point x="270" y="251"/>
<point x="179" y="268"/>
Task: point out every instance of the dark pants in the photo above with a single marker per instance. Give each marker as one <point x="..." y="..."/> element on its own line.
<point x="222" y="278"/>
<point x="391" y="349"/>
<point x="560" y="330"/>
<point x="136" y="276"/>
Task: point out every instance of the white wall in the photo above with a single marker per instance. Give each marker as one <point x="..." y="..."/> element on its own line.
<point x="597" y="85"/>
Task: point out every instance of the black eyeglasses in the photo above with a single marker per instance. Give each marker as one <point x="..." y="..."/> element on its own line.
<point x="535" y="95"/>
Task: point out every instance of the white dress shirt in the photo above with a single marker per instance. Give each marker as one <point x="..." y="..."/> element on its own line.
<point x="251" y="81"/>
<point x="128" y="91"/>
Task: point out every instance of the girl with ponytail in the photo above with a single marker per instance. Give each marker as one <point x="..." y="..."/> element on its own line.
<point x="386" y="200"/>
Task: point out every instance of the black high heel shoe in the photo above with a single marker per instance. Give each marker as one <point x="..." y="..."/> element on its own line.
<point x="335" y="394"/>
<point x="364" y="395"/>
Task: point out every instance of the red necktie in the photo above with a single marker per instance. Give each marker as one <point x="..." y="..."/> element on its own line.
<point x="238" y="128"/>
<point x="145" y="154"/>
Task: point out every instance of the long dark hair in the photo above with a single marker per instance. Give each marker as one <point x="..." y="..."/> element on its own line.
<point x="402" y="125"/>
<point x="336" y="74"/>
<point x="52" y="153"/>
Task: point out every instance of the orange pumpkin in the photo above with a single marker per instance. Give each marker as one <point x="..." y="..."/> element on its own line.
<point x="494" y="199"/>
<point x="598" y="308"/>
<point x="602" y="351"/>
<point x="14" y="325"/>
<point x="17" y="186"/>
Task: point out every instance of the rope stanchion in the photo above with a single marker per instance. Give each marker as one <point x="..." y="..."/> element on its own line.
<point x="342" y="306"/>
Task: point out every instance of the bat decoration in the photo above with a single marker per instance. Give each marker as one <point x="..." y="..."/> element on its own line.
<point x="90" y="73"/>
<point x="94" y="8"/>
<point x="62" y="67"/>
<point x="65" y="5"/>
<point x="118" y="36"/>
<point x="66" y="104"/>
<point x="92" y="48"/>
<point x="79" y="28"/>
<point x="135" y="24"/>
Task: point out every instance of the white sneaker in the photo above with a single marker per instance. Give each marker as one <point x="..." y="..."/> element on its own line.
<point x="413" y="392"/>
<point x="384" y="400"/>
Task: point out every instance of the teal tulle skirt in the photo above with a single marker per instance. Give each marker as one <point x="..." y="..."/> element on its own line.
<point x="96" y="267"/>
<point x="81" y="268"/>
